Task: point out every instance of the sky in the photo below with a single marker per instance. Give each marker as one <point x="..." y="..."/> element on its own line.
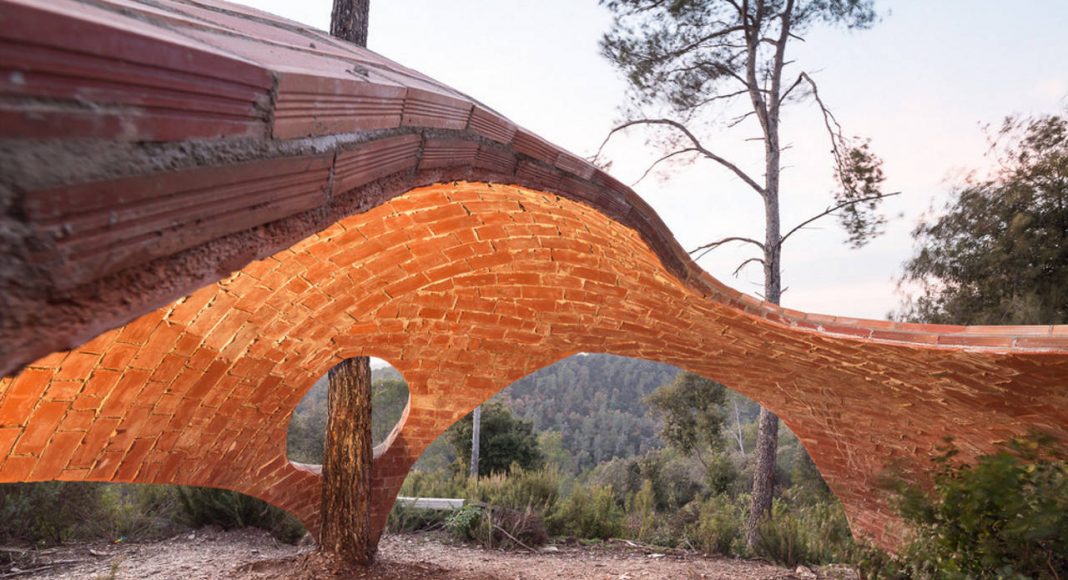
<point x="921" y="84"/>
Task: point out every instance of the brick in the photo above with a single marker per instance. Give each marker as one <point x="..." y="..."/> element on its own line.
<point x="40" y="426"/>
<point x="22" y="395"/>
<point x="466" y="285"/>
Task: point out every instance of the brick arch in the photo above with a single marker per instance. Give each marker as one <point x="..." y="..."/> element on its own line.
<point x="465" y="288"/>
<point x="204" y="207"/>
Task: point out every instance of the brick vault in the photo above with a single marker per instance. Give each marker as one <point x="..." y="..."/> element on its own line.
<point x="205" y="207"/>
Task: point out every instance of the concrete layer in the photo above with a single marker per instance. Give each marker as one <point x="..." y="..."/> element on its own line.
<point x="210" y="206"/>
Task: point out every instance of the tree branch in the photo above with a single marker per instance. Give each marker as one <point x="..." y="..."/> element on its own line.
<point x="743" y="264"/>
<point x="713" y="245"/>
<point x="696" y="146"/>
<point x="831" y="210"/>
<point x="649" y="169"/>
<point x="834" y="129"/>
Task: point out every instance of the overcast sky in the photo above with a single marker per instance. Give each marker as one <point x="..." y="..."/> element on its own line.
<point x="921" y="84"/>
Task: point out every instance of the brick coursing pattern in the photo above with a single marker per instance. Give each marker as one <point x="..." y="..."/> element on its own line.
<point x="205" y="207"/>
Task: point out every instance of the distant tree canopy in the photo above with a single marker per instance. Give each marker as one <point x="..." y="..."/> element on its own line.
<point x="505" y="440"/>
<point x="691" y="408"/>
<point x="595" y="402"/>
<point x="999" y="252"/>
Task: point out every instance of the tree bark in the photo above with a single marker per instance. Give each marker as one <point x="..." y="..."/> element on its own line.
<point x="763" y="474"/>
<point x="768" y="427"/>
<point x="348" y="453"/>
<point x="476" y="436"/>
<point x="345" y="512"/>
<point x="349" y="19"/>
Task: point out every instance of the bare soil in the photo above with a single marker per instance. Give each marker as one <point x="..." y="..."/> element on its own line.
<point x="254" y="555"/>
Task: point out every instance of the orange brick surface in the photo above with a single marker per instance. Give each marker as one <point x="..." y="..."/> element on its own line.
<point x="188" y="255"/>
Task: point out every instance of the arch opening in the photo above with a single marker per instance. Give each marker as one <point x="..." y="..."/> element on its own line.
<point x="596" y="428"/>
<point x="390" y="399"/>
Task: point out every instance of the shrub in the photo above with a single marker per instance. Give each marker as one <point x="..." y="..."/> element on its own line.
<point x="436" y="483"/>
<point x="56" y="512"/>
<point x="519" y="489"/>
<point x="720" y="526"/>
<point x="505" y="528"/>
<point x="463" y="522"/>
<point x="588" y="513"/>
<point x="136" y="512"/>
<point x="1004" y="516"/>
<point x="50" y="512"/>
<point x="641" y="515"/>
<point x="814" y="534"/>
<point x="203" y="506"/>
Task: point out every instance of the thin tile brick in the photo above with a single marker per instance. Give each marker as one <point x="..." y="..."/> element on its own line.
<point x="8" y="435"/>
<point x="77" y="420"/>
<point x="211" y="376"/>
<point x="186" y="310"/>
<point x="16" y="469"/>
<point x="119" y="356"/>
<point x="202" y="358"/>
<point x="138" y="331"/>
<point x="100" y="344"/>
<point x="40" y="426"/>
<point x="133" y="459"/>
<point x="50" y="361"/>
<point x="124" y="393"/>
<point x="104" y="467"/>
<point x="151" y="354"/>
<point x="168" y="368"/>
<point x="253" y="298"/>
<point x="186" y="344"/>
<point x="55" y="457"/>
<point x="22" y="395"/>
<point x="209" y="315"/>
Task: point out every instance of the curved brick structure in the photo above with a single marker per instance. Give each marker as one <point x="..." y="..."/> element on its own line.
<point x="211" y="206"/>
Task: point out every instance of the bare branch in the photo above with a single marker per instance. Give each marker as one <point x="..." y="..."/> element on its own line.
<point x="738" y="120"/>
<point x="831" y="210"/>
<point x="696" y="145"/>
<point x="653" y="165"/>
<point x="829" y="121"/>
<point x="713" y="245"/>
<point x="800" y="79"/>
<point x="743" y="264"/>
<point x="724" y="96"/>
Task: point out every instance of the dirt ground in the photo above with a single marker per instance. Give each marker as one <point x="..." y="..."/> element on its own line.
<point x="255" y="555"/>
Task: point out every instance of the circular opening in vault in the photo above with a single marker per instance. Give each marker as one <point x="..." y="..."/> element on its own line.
<point x="307" y="427"/>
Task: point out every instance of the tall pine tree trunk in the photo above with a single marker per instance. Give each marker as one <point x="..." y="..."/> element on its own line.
<point x="349" y="19"/>
<point x="345" y="511"/>
<point x="476" y="441"/>
<point x="767" y="444"/>
<point x="345" y="508"/>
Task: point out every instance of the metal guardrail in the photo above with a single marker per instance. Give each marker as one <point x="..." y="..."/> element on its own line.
<point x="431" y="503"/>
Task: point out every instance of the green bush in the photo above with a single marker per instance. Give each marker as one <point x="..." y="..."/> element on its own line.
<point x="463" y="523"/>
<point x="49" y="513"/>
<point x="55" y="512"/>
<point x="721" y="526"/>
<point x="588" y="513"/>
<point x="518" y="489"/>
<point x="1005" y="516"/>
<point x="641" y="513"/>
<point x="204" y="506"/>
<point x="812" y="534"/>
<point x="505" y="528"/>
<point x="136" y="512"/>
<point x="436" y="483"/>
